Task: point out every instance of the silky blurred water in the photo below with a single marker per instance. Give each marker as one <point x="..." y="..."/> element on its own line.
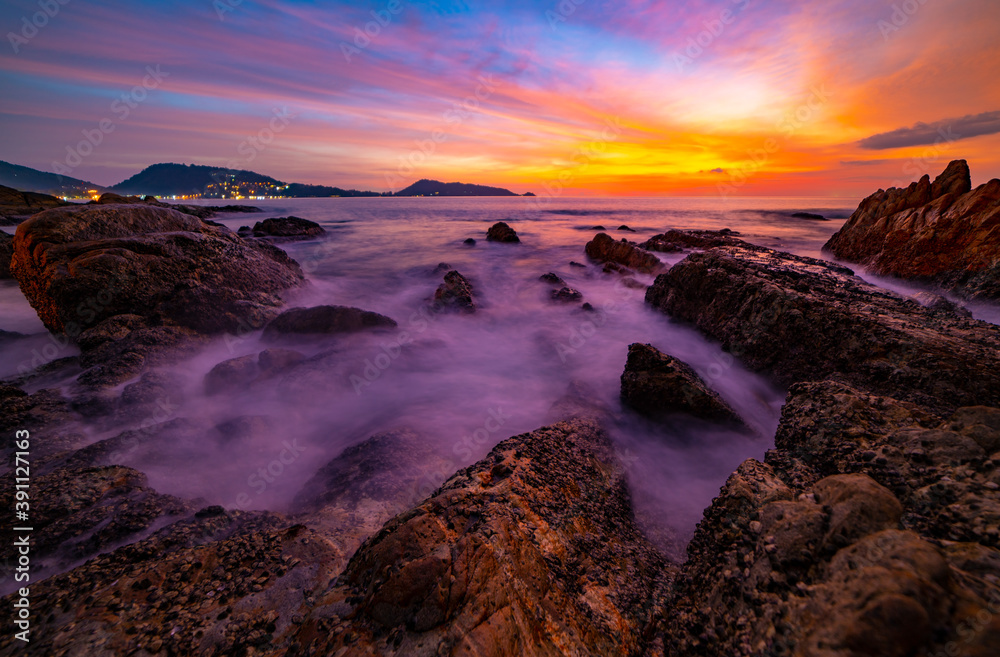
<point x="514" y="359"/>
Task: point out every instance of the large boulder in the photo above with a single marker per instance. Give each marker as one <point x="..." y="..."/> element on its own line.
<point x="941" y="233"/>
<point x="501" y="232"/>
<point x="802" y="319"/>
<point x="79" y="266"/>
<point x="656" y="384"/>
<point x="843" y="543"/>
<point x="324" y="320"/>
<point x="605" y="249"/>
<point x="532" y="551"/>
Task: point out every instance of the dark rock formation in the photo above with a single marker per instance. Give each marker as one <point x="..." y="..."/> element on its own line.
<point x="566" y="295"/>
<point x="236" y="374"/>
<point x="79" y="266"/>
<point x="674" y="241"/>
<point x="470" y="242"/>
<point x="604" y="249"/>
<point x="553" y="279"/>
<point x="501" y="232"/>
<point x="625" y="228"/>
<point x="495" y="562"/>
<point x="870" y="530"/>
<point x="942" y="233"/>
<point x="802" y="319"/>
<point x="808" y="215"/>
<point x="288" y="228"/>
<point x="16" y="206"/>
<point x="456" y="293"/>
<point x="323" y="320"/>
<point x="656" y="384"/>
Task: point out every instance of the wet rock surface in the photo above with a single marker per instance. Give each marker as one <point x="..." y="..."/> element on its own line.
<point x="158" y="263"/>
<point x="495" y="562"/>
<point x="603" y="248"/>
<point x="657" y="385"/>
<point x="942" y="233"/>
<point x="857" y="536"/>
<point x="456" y="293"/>
<point x="6" y="253"/>
<point x="501" y="232"/>
<point x="802" y="319"/>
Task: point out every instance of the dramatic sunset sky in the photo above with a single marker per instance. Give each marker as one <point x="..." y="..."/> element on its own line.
<point x="610" y="97"/>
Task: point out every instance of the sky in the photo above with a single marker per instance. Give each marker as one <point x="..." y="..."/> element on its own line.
<point x="585" y="97"/>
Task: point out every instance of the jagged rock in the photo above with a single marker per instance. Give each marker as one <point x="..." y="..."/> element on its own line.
<point x="802" y="319"/>
<point x="656" y="384"/>
<point x="942" y="233"/>
<point x="288" y="228"/>
<point x="566" y="295"/>
<point x="604" y="249"/>
<point x="323" y="320"/>
<point x="791" y="559"/>
<point x="81" y="265"/>
<point x="501" y="232"/>
<point x="495" y="563"/>
<point x="553" y="279"/>
<point x="456" y="293"/>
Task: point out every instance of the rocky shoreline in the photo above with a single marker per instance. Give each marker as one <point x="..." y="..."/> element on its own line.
<point x="870" y="529"/>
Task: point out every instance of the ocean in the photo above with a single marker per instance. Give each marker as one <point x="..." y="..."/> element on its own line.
<point x="466" y="382"/>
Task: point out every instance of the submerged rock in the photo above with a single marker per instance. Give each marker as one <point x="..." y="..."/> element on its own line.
<point x="566" y="295"/>
<point x="288" y="228"/>
<point x="324" y="320"/>
<point x="808" y="215"/>
<point x="501" y="232"/>
<point x="553" y="279"/>
<point x="656" y="384"/>
<point x="943" y="233"/>
<point x="78" y="266"/>
<point x="604" y="249"/>
<point x="456" y="293"/>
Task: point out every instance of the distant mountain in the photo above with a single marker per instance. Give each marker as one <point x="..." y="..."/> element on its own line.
<point x="191" y="180"/>
<point x="32" y="180"/>
<point x="435" y="188"/>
